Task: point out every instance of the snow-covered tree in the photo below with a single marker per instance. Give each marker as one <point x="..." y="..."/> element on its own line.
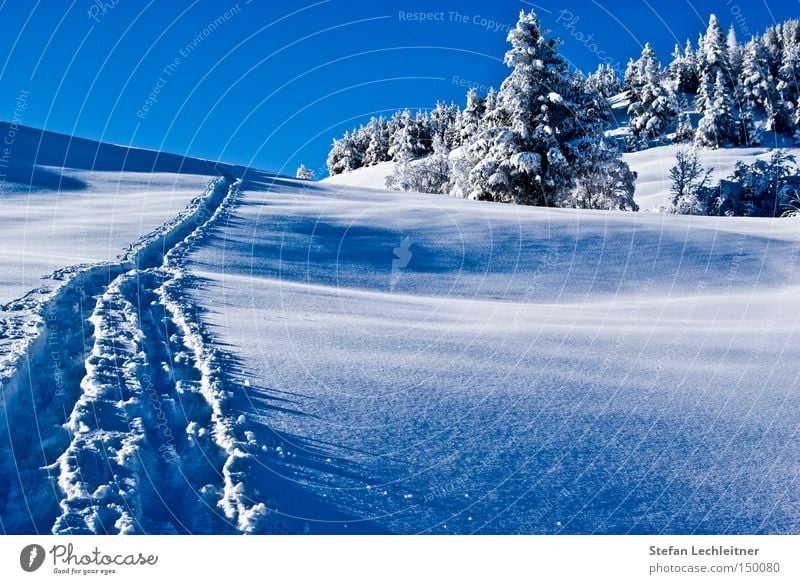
<point x="442" y="122"/>
<point x="344" y="155"/>
<point x="712" y="59"/>
<point x="788" y="79"/>
<point x="606" y="183"/>
<point x="714" y="50"/>
<point x="469" y="120"/>
<point x="304" y="173"/>
<point x="717" y="128"/>
<point x="689" y="179"/>
<point x="542" y="129"/>
<point x="733" y="55"/>
<point x="758" y="189"/>
<point x="410" y="137"/>
<point x="425" y="175"/>
<point x="604" y="82"/>
<point x="683" y="69"/>
<point x="653" y="108"/>
<point x="754" y="78"/>
<point x="684" y="132"/>
<point x="630" y="79"/>
<point x="377" y="149"/>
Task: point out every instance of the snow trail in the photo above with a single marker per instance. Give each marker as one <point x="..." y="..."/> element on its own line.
<point x="147" y="420"/>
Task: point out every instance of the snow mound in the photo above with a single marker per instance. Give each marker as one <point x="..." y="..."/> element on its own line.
<point x="370" y="177"/>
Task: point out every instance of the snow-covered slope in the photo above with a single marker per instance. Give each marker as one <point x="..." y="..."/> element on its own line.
<point x="66" y="201"/>
<point x="288" y="356"/>
<point x="409" y="363"/>
<point x="369" y="177"/>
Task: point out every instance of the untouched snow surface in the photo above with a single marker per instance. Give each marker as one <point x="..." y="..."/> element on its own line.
<point x="370" y="177"/>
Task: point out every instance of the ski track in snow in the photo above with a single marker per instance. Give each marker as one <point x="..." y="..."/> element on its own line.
<point x="149" y="443"/>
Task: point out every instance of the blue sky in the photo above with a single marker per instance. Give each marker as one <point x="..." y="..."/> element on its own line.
<point x="271" y="83"/>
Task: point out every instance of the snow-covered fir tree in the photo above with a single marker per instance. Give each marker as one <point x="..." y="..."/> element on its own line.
<point x="442" y="121"/>
<point x="630" y="78"/>
<point x="411" y="139"/>
<point x="604" y="81"/>
<point x="377" y="150"/>
<point x="304" y="173"/>
<point x="684" y="131"/>
<point x="469" y="120"/>
<point x="652" y="107"/>
<point x="788" y="78"/>
<point x="608" y="182"/>
<point x="733" y="55"/>
<point x="345" y="155"/>
<point x="717" y="128"/>
<point x="683" y="69"/>
<point x="543" y="132"/>
<point x="711" y="59"/>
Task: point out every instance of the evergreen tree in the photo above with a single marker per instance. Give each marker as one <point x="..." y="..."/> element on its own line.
<point x="304" y="173"/>
<point x="469" y="121"/>
<point x="604" y="82"/>
<point x="543" y="127"/>
<point x="377" y="150"/>
<point x="630" y="81"/>
<point x="344" y="155"/>
<point x="754" y="84"/>
<point x="684" y="132"/>
<point x="733" y="55"/>
<point x="607" y="183"/>
<point x="654" y="107"/>
<point x="788" y="79"/>
<point x="712" y="58"/>
<point x="717" y="127"/>
<point x="683" y="70"/>
<point x="409" y="139"/>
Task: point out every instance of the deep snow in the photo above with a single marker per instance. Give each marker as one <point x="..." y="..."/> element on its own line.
<point x="417" y="363"/>
<point x="289" y="356"/>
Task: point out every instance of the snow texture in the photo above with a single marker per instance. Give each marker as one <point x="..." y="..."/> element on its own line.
<point x="285" y="356"/>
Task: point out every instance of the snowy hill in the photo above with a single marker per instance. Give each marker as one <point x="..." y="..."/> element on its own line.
<point x="419" y="363"/>
<point x="288" y="356"/>
<point x="369" y="177"/>
<point x="66" y="200"/>
<point x="652" y="167"/>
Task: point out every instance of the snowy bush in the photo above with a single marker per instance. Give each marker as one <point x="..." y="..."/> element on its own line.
<point x="304" y="173"/>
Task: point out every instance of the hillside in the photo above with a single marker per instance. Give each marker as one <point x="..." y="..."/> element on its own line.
<point x="288" y="356"/>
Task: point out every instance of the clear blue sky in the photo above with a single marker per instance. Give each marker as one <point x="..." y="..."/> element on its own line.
<point x="272" y="82"/>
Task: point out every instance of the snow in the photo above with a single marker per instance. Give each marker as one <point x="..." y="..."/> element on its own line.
<point x="284" y="356"/>
<point x="652" y="166"/>
<point x="573" y="371"/>
<point x="69" y="207"/>
<point x="370" y="177"/>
